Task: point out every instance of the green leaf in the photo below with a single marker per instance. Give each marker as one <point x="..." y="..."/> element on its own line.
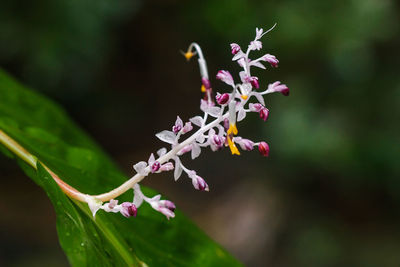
<point x="46" y="132"/>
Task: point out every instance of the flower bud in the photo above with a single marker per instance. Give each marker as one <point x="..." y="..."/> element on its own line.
<point x="112" y="203"/>
<point x="271" y="59"/>
<point x="264" y="149"/>
<point x="187" y="128"/>
<point x="235" y="48"/>
<point x="218" y="140"/>
<point x="128" y="209"/>
<point x="167" y="167"/>
<point x="254" y="82"/>
<point x="206" y="83"/>
<point x="257" y="107"/>
<point x="199" y="183"/>
<point x="264" y="114"/>
<point x="226" y="124"/>
<point x="185" y="150"/>
<point x="178" y="125"/>
<point x="278" y="87"/>
<point x="155" y="166"/>
<point x="222" y="99"/>
<point x="245" y="144"/>
<point x="167" y="204"/>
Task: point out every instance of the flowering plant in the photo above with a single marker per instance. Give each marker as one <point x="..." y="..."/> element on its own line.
<point x="216" y="128"/>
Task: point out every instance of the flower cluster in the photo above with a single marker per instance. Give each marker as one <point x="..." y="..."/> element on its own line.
<point x="217" y="127"/>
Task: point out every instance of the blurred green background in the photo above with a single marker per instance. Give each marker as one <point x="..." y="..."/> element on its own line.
<point x="328" y="195"/>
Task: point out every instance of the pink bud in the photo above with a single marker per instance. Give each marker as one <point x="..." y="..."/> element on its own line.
<point x="167" y="204"/>
<point x="264" y="149"/>
<point x="257" y="107"/>
<point x="167" y="212"/>
<point x="155" y="166"/>
<point x="128" y="209"/>
<point x="278" y="87"/>
<point x="185" y="150"/>
<point x="254" y="82"/>
<point x="199" y="183"/>
<point x="271" y="59"/>
<point x="206" y="83"/>
<point x="218" y="141"/>
<point x="226" y="124"/>
<point x="235" y="48"/>
<point x="178" y="125"/>
<point x="285" y="91"/>
<point x="222" y="99"/>
<point x="167" y="167"/>
<point x="187" y="128"/>
<point x="245" y="144"/>
<point x="264" y="114"/>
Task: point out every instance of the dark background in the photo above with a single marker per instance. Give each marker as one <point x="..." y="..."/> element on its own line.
<point x="328" y="195"/>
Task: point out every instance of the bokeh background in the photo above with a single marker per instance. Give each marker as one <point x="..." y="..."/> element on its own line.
<point x="328" y="195"/>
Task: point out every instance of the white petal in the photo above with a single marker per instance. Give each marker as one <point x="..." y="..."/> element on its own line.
<point x="241" y="62"/>
<point x="178" y="168"/>
<point x="241" y="114"/>
<point x="239" y="55"/>
<point x="94" y="205"/>
<point x="139" y="168"/>
<point x="257" y="64"/>
<point x="203" y="105"/>
<point x="200" y="138"/>
<point x="214" y="111"/>
<point x="211" y="133"/>
<point x="166" y="136"/>
<point x="151" y="159"/>
<point x="137" y="200"/>
<point x="161" y="151"/>
<point x="243" y="76"/>
<point x="155" y="198"/>
<point x="179" y="121"/>
<point x="260" y="98"/>
<point x="197" y="120"/>
<point x="196" y="150"/>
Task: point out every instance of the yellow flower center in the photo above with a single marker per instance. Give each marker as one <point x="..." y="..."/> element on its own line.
<point x="232" y="129"/>
<point x="233" y="147"/>
<point x="188" y="55"/>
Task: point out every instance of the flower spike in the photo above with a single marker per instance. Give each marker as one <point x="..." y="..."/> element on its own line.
<point x="217" y="128"/>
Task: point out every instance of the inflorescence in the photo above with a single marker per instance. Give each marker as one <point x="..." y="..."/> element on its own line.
<point x="216" y="128"/>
